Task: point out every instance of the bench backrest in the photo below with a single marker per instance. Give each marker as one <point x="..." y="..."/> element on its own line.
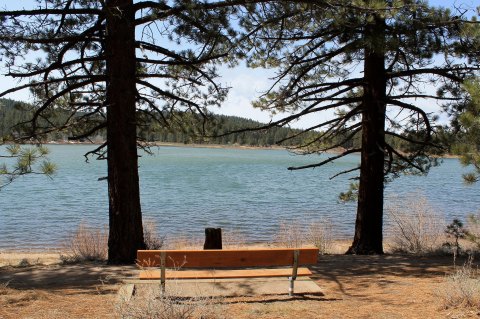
<point x="227" y="258"/>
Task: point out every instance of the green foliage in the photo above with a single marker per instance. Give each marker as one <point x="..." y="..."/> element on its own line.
<point x="319" y="49"/>
<point x="469" y="121"/>
<point x="351" y="194"/>
<point x="457" y="231"/>
<point x="473" y="234"/>
<point x="24" y="161"/>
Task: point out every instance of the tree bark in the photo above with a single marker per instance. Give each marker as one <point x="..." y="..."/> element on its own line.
<point x="125" y="218"/>
<point x="368" y="238"/>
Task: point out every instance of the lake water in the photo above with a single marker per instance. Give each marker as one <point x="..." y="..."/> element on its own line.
<point x="186" y="189"/>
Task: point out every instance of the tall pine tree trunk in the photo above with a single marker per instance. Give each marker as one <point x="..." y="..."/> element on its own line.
<point x="368" y="237"/>
<point x="125" y="218"/>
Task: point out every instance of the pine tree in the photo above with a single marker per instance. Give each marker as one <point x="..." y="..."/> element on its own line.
<point x="467" y="124"/>
<point x="363" y="68"/>
<point x="111" y="65"/>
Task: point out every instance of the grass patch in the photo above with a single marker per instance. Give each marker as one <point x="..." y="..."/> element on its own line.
<point x="91" y="244"/>
<point x="86" y="244"/>
<point x="296" y="234"/>
<point x="462" y="287"/>
<point x="153" y="304"/>
<point x="151" y="237"/>
<point x="415" y="227"/>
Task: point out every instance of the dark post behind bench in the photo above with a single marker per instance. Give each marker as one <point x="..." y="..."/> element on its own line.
<point x="213" y="238"/>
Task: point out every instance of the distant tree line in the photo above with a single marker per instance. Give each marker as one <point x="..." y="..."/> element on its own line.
<point x="216" y="130"/>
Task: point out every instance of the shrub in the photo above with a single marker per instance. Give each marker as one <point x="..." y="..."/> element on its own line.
<point x="91" y="244"/>
<point x="150" y="236"/>
<point x="291" y="234"/>
<point x="414" y="226"/>
<point x="319" y="234"/>
<point x="462" y="288"/>
<point x="156" y="305"/>
<point x="456" y="231"/>
<point x="86" y="244"/>
<point x="295" y="234"/>
<point x="473" y="230"/>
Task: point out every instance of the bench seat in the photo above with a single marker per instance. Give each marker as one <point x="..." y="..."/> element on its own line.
<point x="222" y="274"/>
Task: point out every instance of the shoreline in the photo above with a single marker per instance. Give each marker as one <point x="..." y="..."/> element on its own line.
<point x="337" y="150"/>
<point x="171" y="144"/>
<point x="15" y="257"/>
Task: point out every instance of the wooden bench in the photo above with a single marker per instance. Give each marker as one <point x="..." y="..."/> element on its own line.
<point x="172" y="263"/>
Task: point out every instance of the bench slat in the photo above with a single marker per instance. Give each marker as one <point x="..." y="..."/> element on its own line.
<point x="238" y="258"/>
<point x="222" y="274"/>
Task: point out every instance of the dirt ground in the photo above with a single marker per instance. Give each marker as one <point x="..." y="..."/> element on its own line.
<point x="389" y="286"/>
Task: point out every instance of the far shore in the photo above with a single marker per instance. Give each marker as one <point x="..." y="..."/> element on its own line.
<point x="337" y="150"/>
<point x="170" y="144"/>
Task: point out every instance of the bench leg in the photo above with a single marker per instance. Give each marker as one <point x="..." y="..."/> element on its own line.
<point x="290" y="289"/>
<point x="296" y="253"/>
<point x="163" y="256"/>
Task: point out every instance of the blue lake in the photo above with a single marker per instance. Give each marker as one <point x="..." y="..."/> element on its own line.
<point x="186" y="189"/>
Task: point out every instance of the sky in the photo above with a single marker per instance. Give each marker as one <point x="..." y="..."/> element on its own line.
<point x="246" y="84"/>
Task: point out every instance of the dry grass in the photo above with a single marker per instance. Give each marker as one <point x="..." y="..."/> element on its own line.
<point x="462" y="288"/>
<point x="184" y="242"/>
<point x="16" y="298"/>
<point x="91" y="244"/>
<point x="232" y="239"/>
<point x="4" y="289"/>
<point x="153" y="304"/>
<point x="415" y="227"/>
<point x="86" y="244"/>
<point x="150" y="235"/>
<point x="291" y="234"/>
<point x="320" y="235"/>
<point x="296" y="234"/>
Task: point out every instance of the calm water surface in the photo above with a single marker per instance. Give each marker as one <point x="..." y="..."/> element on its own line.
<point x="187" y="189"/>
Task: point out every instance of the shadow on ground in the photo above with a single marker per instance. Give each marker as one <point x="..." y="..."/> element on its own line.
<point x="334" y="268"/>
<point x="342" y="269"/>
<point x="78" y="276"/>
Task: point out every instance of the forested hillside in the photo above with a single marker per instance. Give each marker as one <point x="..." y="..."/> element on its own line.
<point x="215" y="131"/>
<point x="11" y="113"/>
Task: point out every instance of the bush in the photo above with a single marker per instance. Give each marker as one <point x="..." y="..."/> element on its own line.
<point x="290" y="234"/>
<point x="156" y="305"/>
<point x="86" y="244"/>
<point x="414" y="226"/>
<point x="294" y="234"/>
<point x="91" y="244"/>
<point x="150" y="236"/>
<point x="319" y="234"/>
<point x="455" y="231"/>
<point x="473" y="230"/>
<point x="462" y="288"/>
